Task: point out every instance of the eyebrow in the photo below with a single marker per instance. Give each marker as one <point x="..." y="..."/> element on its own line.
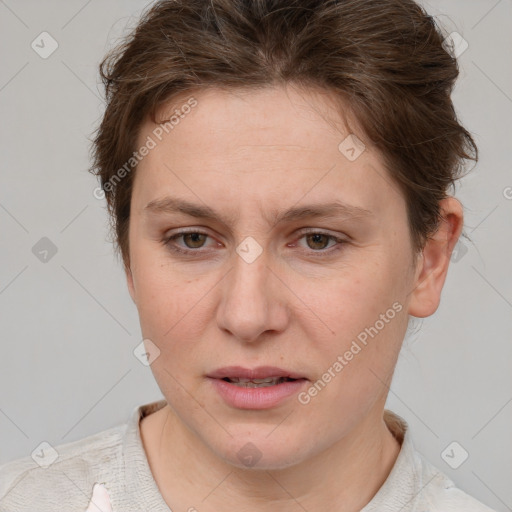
<point x="170" y="205"/>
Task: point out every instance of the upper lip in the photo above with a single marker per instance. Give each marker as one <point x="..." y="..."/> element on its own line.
<point x="260" y="372"/>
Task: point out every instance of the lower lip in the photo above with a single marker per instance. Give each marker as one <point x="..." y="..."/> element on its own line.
<point x="256" y="398"/>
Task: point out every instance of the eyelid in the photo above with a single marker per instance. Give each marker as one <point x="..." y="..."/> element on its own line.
<point x="317" y="231"/>
<point x="168" y="239"/>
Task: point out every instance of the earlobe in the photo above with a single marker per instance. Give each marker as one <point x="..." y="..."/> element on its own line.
<point x="435" y="260"/>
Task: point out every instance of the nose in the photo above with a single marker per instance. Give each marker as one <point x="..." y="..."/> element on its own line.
<point x="253" y="300"/>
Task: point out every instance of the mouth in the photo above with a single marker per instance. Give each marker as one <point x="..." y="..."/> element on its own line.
<point x="261" y="375"/>
<point x="263" y="387"/>
<point x="256" y="388"/>
<point x="258" y="383"/>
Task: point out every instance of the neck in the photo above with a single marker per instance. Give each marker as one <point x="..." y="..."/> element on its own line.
<point x="344" y="478"/>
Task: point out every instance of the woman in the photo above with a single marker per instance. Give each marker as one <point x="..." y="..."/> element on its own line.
<point x="277" y="174"/>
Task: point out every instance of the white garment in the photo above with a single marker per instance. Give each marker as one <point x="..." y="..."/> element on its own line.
<point x="116" y="459"/>
<point x="100" y="499"/>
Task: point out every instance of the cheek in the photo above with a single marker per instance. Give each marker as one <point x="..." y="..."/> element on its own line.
<point x="167" y="307"/>
<point x="359" y="315"/>
<point x="345" y="302"/>
<point x="161" y="298"/>
<point x="171" y="308"/>
<point x="355" y="346"/>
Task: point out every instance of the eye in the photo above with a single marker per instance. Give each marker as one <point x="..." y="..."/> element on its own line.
<point x="318" y="241"/>
<point x="194" y="241"/>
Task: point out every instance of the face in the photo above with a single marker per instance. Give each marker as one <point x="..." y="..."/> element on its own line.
<point x="233" y="263"/>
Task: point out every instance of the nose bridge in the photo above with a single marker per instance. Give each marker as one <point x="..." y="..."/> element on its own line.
<point x="249" y="278"/>
<point x="250" y="272"/>
<point x="249" y="302"/>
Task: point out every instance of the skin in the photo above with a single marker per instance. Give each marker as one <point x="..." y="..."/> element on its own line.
<point x="245" y="154"/>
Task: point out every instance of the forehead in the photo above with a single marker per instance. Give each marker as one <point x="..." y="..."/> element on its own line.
<point x="273" y="144"/>
<point x="284" y="119"/>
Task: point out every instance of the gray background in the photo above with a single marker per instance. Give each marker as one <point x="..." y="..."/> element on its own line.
<point x="68" y="326"/>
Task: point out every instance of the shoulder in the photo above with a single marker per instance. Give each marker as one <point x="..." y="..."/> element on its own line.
<point x="61" y="477"/>
<point x="440" y="493"/>
<point x="415" y="484"/>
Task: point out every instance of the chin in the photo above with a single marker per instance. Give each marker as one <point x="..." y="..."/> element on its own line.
<point x="274" y="462"/>
<point x="258" y="452"/>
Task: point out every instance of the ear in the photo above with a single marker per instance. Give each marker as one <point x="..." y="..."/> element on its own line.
<point x="129" y="281"/>
<point x="433" y="263"/>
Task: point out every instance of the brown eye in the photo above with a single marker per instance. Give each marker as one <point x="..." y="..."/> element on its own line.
<point x="319" y="241"/>
<point x="190" y="242"/>
<point x="320" y="244"/>
<point x="196" y="240"/>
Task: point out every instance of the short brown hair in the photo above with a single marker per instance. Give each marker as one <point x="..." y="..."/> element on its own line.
<point x="386" y="57"/>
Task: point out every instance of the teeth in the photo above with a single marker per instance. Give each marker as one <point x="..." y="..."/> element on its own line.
<point x="257" y="383"/>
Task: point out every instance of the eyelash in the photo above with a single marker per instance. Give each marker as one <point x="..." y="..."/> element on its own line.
<point x="167" y="242"/>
